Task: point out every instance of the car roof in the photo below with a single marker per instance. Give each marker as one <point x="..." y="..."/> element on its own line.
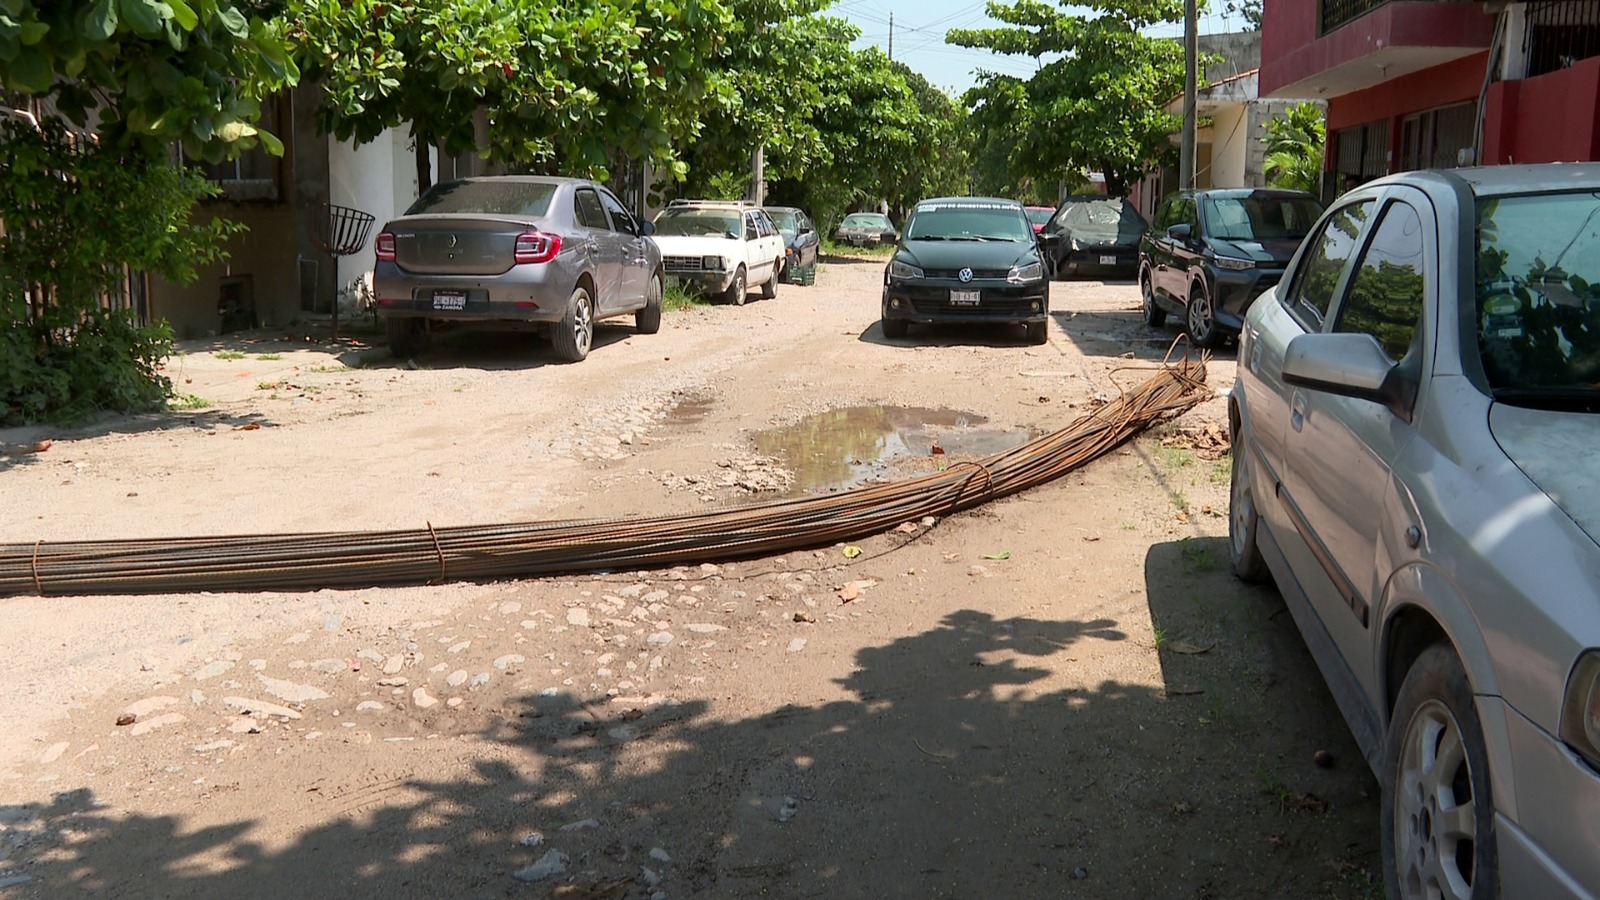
<point x="969" y="201"/>
<point x="522" y="179"/>
<point x="1490" y="181"/>
<point x="1241" y="193"/>
<point x="783" y="209"/>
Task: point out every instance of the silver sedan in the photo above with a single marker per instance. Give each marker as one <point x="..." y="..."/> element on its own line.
<point x="516" y="252"/>
<point x="1415" y="422"/>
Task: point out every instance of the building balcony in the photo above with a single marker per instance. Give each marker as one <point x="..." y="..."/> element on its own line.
<point x="1337" y="47"/>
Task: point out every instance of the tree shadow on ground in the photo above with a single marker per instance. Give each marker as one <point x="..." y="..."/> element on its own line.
<point x="950" y="763"/>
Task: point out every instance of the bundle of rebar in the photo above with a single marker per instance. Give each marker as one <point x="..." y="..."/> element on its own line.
<point x="569" y="547"/>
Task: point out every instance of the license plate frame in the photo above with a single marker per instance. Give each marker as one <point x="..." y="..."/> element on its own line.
<point x="450" y="301"/>
<point x="965" y="298"/>
<point x="1108" y="259"/>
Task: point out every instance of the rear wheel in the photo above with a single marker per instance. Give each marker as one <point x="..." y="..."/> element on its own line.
<point x="1202" y="318"/>
<point x="1154" y="316"/>
<point x="573" y="336"/>
<point x="1438" y="818"/>
<point x="1038" y="332"/>
<point x="1243" y="520"/>
<point x="736" y="292"/>
<point x="405" y="335"/>
<point x="894" y="328"/>
<point x="769" y="288"/>
<point x="648" y="320"/>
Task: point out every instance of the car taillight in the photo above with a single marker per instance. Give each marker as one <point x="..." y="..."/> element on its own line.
<point x="537" y="247"/>
<point x="384" y="244"/>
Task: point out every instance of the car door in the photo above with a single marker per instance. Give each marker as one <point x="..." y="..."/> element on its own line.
<point x="1153" y="245"/>
<point x="1341" y="450"/>
<point x="602" y="245"/>
<point x="771" y="237"/>
<point x="634" y="250"/>
<point x="1186" y="254"/>
<point x="808" y="241"/>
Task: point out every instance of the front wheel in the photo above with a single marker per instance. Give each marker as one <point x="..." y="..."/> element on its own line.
<point x="648" y="320"/>
<point x="1154" y="316"/>
<point x="1038" y="332"/>
<point x="1438" y="819"/>
<point x="736" y="292"/>
<point x="1202" y="318"/>
<point x="573" y="336"/>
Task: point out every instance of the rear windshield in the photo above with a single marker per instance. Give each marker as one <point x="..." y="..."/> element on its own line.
<point x="1039" y="215"/>
<point x="784" y="219"/>
<point x="1538" y="294"/>
<point x="698" y="222"/>
<point x="1259" y="217"/>
<point x="968" y="221"/>
<point x="1103" y="215"/>
<point x="492" y="198"/>
<point x="866" y="220"/>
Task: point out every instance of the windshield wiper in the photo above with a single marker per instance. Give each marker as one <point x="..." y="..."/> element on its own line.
<point x="927" y="237"/>
<point x="1555" y="399"/>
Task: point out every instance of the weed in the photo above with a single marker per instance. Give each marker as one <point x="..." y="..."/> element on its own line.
<point x="1275" y="788"/>
<point x="188" y="401"/>
<point x="331" y="367"/>
<point x="1222" y="473"/>
<point x="269" y="356"/>
<point x="1159" y="633"/>
<point x="268" y="385"/>
<point x="1197" y="557"/>
<point x="1180" y="501"/>
<point x="228" y="354"/>
<point x="675" y="298"/>
<point x="1129" y="526"/>
<point x="1174" y="457"/>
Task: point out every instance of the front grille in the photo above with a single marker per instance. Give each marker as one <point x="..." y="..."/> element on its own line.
<point x="683" y="263"/>
<point x="977" y="274"/>
<point x="992" y="306"/>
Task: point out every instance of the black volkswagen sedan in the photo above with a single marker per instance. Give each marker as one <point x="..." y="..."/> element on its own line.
<point x="967" y="259"/>
<point x="1209" y="255"/>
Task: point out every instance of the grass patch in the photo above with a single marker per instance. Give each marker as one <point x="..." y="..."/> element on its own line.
<point x="228" y="354"/>
<point x="188" y="401"/>
<point x="268" y="385"/>
<point x="331" y="367"/>
<point x="875" y="251"/>
<point x="1198" y="558"/>
<point x="1222" y="472"/>
<point x="674" y="299"/>
<point x="269" y="356"/>
<point x="1174" y="457"/>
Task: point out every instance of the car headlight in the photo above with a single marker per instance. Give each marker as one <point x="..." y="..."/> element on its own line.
<point x="899" y="271"/>
<point x="1580" y="712"/>
<point x="711" y="263"/>
<point x="1031" y="272"/>
<point x="1234" y="262"/>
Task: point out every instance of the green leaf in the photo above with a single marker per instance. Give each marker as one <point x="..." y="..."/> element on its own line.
<point x="31" y="71"/>
<point x="271" y="142"/>
<point x="100" y="21"/>
<point x="143" y="16"/>
<point x="1003" y="554"/>
<point x="852" y="551"/>
<point x="234" y="22"/>
<point x="183" y="14"/>
<point x="34" y="32"/>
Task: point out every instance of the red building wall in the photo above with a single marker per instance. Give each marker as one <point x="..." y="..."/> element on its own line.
<point x="1397" y="98"/>
<point x="1548" y="118"/>
<point x="1292" y="50"/>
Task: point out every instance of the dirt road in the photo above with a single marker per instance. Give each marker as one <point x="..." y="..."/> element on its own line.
<point x="1059" y="694"/>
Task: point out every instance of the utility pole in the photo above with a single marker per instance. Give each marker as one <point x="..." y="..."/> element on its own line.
<point x="1191" y="54"/>
<point x="758" y="178"/>
<point x="891" y="35"/>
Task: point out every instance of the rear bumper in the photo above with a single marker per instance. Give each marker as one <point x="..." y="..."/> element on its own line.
<point x="928" y="301"/>
<point x="1092" y="261"/>
<point x="523" y="294"/>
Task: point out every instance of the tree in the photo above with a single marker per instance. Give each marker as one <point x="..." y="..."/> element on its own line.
<point x="1249" y="9"/>
<point x="1294" y="146"/>
<point x="1096" y="101"/>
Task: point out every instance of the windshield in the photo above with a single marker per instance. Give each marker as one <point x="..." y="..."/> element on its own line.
<point x="1538" y="294"/>
<point x="866" y="220"/>
<point x="1259" y="217"/>
<point x="494" y="198"/>
<point x="968" y="221"/>
<point x="697" y="222"/>
<point x="784" y="219"/>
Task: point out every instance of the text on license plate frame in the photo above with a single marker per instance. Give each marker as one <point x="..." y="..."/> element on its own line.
<point x="1108" y="260"/>
<point x="965" y="298"/>
<point x="450" y="300"/>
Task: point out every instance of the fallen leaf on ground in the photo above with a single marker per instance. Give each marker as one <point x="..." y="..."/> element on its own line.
<point x="610" y="890"/>
<point x="804" y="617"/>
<point x="907" y="528"/>
<point x="950" y="556"/>
<point x="248" y="426"/>
<point x="1183" y="518"/>
<point x="1310" y="803"/>
<point x="849" y="592"/>
<point x="1091" y="537"/>
<point x="1187" y="648"/>
<point x="852" y="551"/>
<point x="1003" y="554"/>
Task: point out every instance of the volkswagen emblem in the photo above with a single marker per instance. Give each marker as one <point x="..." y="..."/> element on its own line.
<point x="965" y="275"/>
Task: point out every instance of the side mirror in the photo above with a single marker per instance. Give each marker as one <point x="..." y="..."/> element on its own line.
<point x="1180" y="232"/>
<point x="646" y="229"/>
<point x="1349" y="365"/>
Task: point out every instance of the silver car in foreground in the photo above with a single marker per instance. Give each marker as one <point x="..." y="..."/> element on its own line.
<point x="1416" y="427"/>
<point x="516" y="252"/>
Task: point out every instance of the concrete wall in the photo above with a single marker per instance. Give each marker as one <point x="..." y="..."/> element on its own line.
<point x="378" y="178"/>
<point x="262" y="259"/>
<point x="1549" y="118"/>
<point x="1230" y="134"/>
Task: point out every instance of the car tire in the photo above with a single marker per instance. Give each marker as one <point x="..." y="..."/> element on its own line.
<point x="1038" y="332"/>
<point x="769" y="288"/>
<point x="573" y="337"/>
<point x="648" y="319"/>
<point x="1438" y="814"/>
<point x="1200" y="319"/>
<point x="1154" y="316"/>
<point x="406" y="337"/>
<point x="1244" y="522"/>
<point x="894" y="328"/>
<point x="738" y="289"/>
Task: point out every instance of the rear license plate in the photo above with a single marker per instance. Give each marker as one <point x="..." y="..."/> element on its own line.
<point x="449" y="300"/>
<point x="1108" y="260"/>
<point x="965" y="298"/>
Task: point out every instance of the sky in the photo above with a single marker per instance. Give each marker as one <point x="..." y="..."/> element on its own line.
<point x="920" y="26"/>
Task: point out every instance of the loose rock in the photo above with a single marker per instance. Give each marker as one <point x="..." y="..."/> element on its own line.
<point x="553" y="863"/>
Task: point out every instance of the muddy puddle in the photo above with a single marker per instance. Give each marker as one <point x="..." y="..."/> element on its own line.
<point x="842" y="448"/>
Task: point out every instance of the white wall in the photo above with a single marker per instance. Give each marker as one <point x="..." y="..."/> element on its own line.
<point x="1230" y="139"/>
<point x="380" y="178"/>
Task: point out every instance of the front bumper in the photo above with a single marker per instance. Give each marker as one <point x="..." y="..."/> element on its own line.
<point x="928" y="300"/>
<point x="1233" y="290"/>
<point x="690" y="272"/>
<point x="522" y="294"/>
<point x="1552" y="849"/>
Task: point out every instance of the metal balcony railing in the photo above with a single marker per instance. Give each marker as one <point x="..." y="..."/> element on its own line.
<point x="1336" y="13"/>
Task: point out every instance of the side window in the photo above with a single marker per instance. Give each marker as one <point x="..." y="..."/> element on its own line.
<point x="1386" y="289"/>
<point x="1189" y="212"/>
<point x="620" y="220"/>
<point x="589" y="213"/>
<point x="751" y="231"/>
<point x="803" y="223"/>
<point x="1322" y="260"/>
<point x="1164" y="214"/>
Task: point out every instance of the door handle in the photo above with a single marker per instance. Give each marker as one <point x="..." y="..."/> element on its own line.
<point x="1297" y="411"/>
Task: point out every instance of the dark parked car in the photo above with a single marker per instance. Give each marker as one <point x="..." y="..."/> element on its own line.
<point x="516" y="252"/>
<point x="1095" y="235"/>
<point x="1210" y="253"/>
<point x="1414" y="424"/>
<point x="866" y="229"/>
<point x="801" y="242"/>
<point x="967" y="259"/>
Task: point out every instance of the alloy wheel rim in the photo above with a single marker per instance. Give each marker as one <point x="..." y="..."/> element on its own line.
<point x="1146" y="295"/>
<point x="582" y="321"/>
<point x="1200" y="316"/>
<point x="1435" y="821"/>
<point x="1242" y="510"/>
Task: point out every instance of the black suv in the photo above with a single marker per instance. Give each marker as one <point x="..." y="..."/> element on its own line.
<point x="967" y="259"/>
<point x="1209" y="254"/>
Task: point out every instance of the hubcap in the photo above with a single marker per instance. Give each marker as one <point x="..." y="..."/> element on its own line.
<point x="1200" y="315"/>
<point x="1146" y="295"/>
<point x="1435" y="822"/>
<point x="1243" y="509"/>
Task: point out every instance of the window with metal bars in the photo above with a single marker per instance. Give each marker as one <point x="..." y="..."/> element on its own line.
<point x="1434" y="139"/>
<point x="1560" y="33"/>
<point x="1338" y="13"/>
